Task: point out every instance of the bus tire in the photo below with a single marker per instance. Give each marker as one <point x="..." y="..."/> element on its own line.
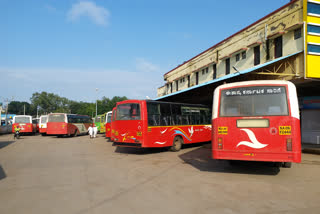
<point x="287" y="165"/>
<point x="177" y="144"/>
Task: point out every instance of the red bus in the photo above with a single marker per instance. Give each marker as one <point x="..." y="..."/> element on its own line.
<point x="43" y="124"/>
<point x="61" y="124"/>
<point x="257" y="121"/>
<point x="108" y="124"/>
<point x="147" y="123"/>
<point x="113" y="118"/>
<point x="25" y="124"/>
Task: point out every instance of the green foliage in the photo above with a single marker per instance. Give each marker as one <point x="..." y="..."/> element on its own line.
<point x="48" y="102"/>
<point x="16" y="107"/>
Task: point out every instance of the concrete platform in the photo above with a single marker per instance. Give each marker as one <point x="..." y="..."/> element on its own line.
<point x="311" y="148"/>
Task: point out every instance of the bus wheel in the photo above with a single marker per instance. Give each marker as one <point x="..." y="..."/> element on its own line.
<point x="177" y="144"/>
<point x="287" y="165"/>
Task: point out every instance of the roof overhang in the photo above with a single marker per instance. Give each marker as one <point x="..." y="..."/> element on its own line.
<point x="229" y="76"/>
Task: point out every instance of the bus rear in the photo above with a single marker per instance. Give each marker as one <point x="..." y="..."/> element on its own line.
<point x="25" y="124"/>
<point x="43" y="124"/>
<point x="57" y="124"/>
<point x="108" y="124"/>
<point x="256" y="121"/>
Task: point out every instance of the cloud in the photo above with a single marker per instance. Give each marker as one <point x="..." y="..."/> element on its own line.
<point x="50" y="8"/>
<point x="99" y="15"/>
<point x="145" y="66"/>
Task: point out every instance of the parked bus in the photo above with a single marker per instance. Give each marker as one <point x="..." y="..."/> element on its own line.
<point x="98" y="121"/>
<point x="61" y="124"/>
<point x="257" y="121"/>
<point x="113" y="118"/>
<point x="147" y="123"/>
<point x="25" y="124"/>
<point x="43" y="124"/>
<point x="102" y="123"/>
<point x="108" y="124"/>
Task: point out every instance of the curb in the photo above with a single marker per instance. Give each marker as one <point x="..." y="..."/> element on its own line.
<point x="311" y="151"/>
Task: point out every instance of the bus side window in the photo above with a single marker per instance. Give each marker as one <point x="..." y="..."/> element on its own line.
<point x="165" y="113"/>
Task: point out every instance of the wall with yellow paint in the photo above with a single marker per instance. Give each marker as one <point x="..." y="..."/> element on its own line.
<point x="312" y="64"/>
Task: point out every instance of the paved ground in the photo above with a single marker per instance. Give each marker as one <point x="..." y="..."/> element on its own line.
<point x="77" y="175"/>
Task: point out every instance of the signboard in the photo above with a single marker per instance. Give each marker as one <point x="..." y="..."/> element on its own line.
<point x="257" y="90"/>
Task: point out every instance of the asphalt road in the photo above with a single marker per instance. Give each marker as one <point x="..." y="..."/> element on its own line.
<point x="80" y="175"/>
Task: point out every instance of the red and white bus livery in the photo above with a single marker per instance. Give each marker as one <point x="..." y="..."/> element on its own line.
<point x="108" y="124"/>
<point x="147" y="123"/>
<point x="43" y="124"/>
<point x="61" y="124"/>
<point x="256" y="121"/>
<point x="25" y="124"/>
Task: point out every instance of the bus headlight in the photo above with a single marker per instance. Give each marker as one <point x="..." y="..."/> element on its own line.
<point x="220" y="144"/>
<point x="289" y="144"/>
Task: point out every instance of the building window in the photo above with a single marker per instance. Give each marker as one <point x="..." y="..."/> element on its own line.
<point x="188" y="81"/>
<point x="177" y="85"/>
<point x="314" y="49"/>
<point x="314" y="8"/>
<point x="214" y="67"/>
<point x="256" y="52"/>
<point x="313" y="29"/>
<point x="207" y="70"/>
<point x="227" y="66"/>
<point x="278" y="47"/>
<point x="171" y="87"/>
<point x="243" y="55"/>
<point x="297" y="33"/>
<point x="204" y="71"/>
<point x="238" y="57"/>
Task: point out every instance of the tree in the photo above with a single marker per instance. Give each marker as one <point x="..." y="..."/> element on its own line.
<point x="17" y="107"/>
<point x="49" y="102"/>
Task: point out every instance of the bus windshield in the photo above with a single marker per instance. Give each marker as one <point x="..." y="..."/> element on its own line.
<point x="254" y="101"/>
<point x="22" y="119"/>
<point x="128" y="111"/>
<point x="56" y="118"/>
<point x="43" y="119"/>
<point x="109" y="118"/>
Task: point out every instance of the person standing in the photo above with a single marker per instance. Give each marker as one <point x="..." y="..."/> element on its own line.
<point x="95" y="131"/>
<point x="90" y="130"/>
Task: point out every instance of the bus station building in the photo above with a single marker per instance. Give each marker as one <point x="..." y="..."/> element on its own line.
<point x="284" y="45"/>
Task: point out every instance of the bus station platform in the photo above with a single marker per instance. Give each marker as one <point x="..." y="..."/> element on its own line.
<point x="310" y="148"/>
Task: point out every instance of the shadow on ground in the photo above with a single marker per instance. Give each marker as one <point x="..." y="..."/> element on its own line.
<point x="139" y="151"/>
<point x="5" y="143"/>
<point x="2" y="173"/>
<point x="145" y="151"/>
<point x="201" y="159"/>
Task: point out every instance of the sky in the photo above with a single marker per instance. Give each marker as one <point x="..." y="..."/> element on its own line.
<point x="86" y="49"/>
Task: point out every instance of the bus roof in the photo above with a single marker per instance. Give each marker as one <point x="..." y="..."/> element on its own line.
<point x="255" y="82"/>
